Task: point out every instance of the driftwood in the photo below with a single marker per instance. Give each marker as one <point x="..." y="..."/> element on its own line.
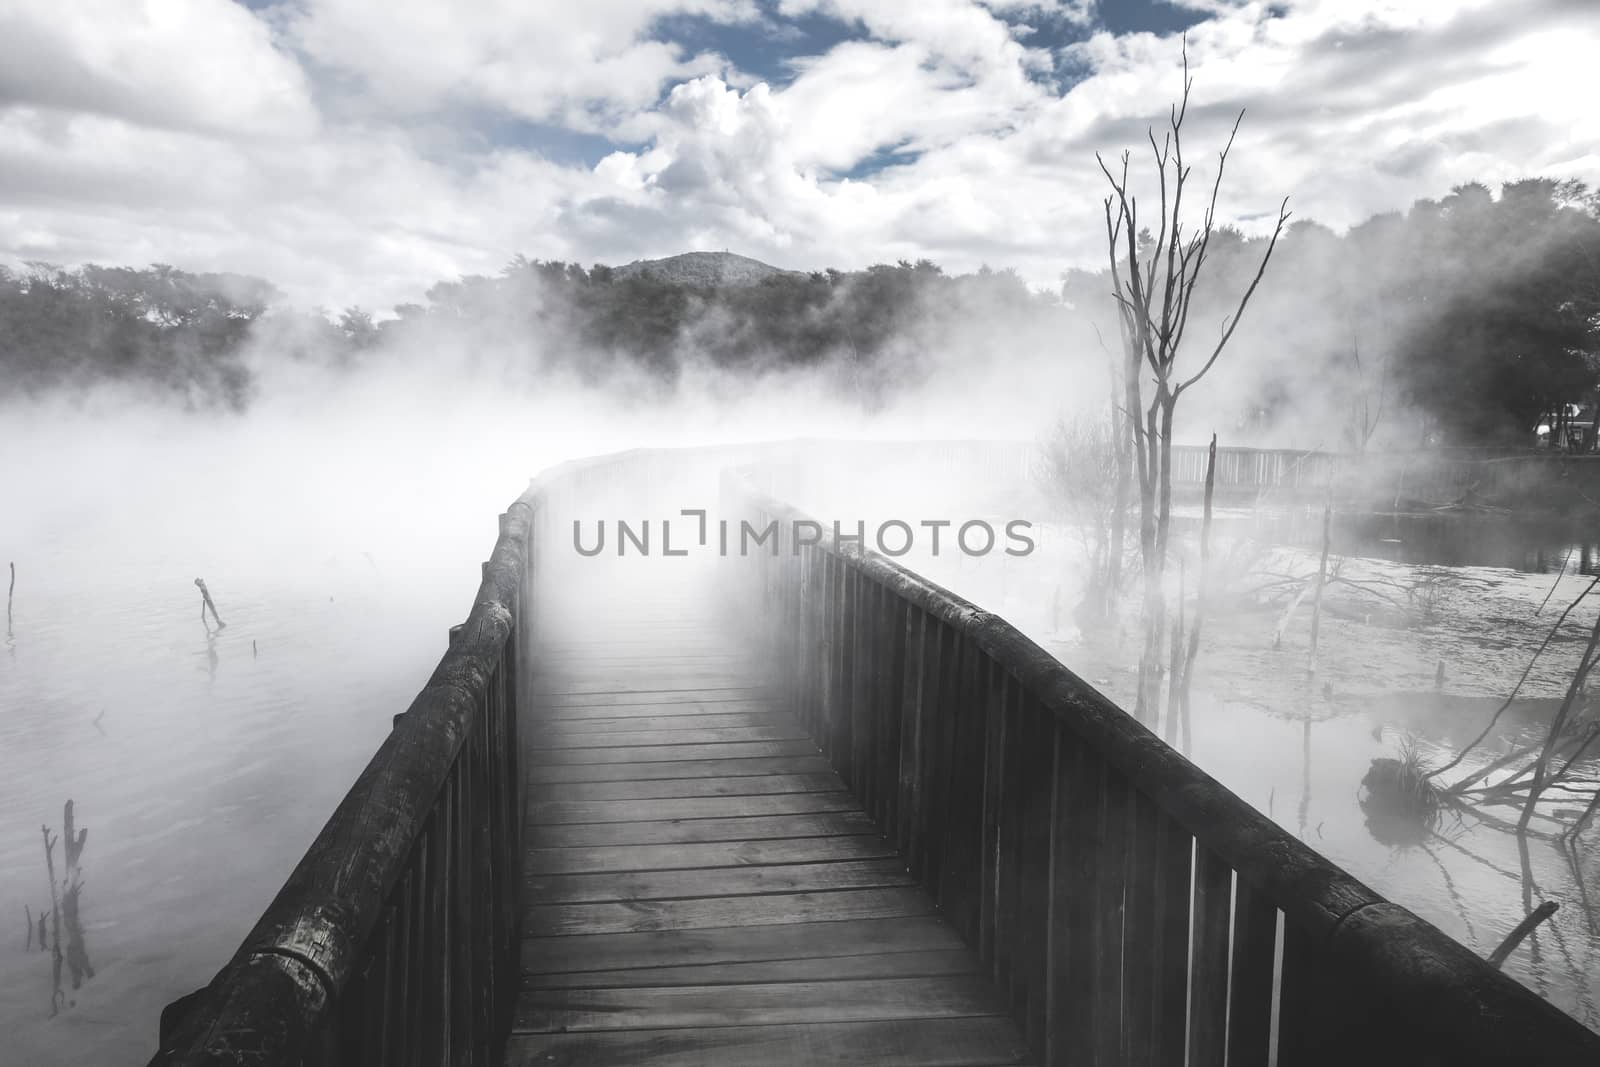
<point x="206" y="602"/>
<point x="1523" y="929"/>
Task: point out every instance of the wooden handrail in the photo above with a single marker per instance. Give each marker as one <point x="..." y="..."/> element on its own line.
<point x="1135" y="910"/>
<point x="395" y="938"/>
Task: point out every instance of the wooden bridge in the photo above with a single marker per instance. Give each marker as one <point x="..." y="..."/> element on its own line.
<point x="802" y="806"/>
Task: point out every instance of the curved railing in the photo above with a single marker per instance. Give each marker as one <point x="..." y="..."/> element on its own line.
<point x="395" y="940"/>
<point x="1133" y="909"/>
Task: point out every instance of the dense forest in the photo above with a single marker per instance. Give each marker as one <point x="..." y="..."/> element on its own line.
<point x="1479" y="314"/>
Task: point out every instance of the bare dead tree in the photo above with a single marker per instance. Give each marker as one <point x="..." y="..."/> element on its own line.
<point x="1154" y="291"/>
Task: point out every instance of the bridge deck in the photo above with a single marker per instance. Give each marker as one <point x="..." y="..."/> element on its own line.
<point x="702" y="889"/>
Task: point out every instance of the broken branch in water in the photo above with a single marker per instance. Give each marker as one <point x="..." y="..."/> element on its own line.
<point x="1558" y="727"/>
<point x="205" y="602"/>
<point x="1518" y="687"/>
<point x="1524" y="928"/>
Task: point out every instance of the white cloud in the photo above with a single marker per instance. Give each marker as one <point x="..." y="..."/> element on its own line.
<point x="193" y="64"/>
<point x="584" y="64"/>
<point x="194" y="137"/>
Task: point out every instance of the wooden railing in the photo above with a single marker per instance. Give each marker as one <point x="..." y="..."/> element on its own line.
<point x="395" y="941"/>
<point x="1132" y="909"/>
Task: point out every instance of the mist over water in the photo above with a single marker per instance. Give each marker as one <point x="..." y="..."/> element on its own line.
<point x="339" y="525"/>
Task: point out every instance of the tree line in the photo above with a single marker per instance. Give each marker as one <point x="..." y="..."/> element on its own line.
<point x="1476" y="314"/>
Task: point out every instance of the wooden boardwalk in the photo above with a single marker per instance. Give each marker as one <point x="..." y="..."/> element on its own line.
<point x="701" y="888"/>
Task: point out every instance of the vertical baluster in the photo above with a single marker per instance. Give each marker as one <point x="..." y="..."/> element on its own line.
<point x="1114" y="813"/>
<point x="839" y="617"/>
<point x="1008" y="861"/>
<point x="893" y="627"/>
<point x="997" y="684"/>
<point x="844" y="722"/>
<point x="938" y="704"/>
<point x="417" y="923"/>
<point x="1074" y="924"/>
<point x="1169" y="961"/>
<point x="1142" y="943"/>
<point x="907" y="835"/>
<point x="862" y="650"/>
<point x="1255" y="934"/>
<point x="1208" y="975"/>
<point x="1039" y="817"/>
<point x="807" y="638"/>
<point x="1318" y="1019"/>
<point x="476" y="892"/>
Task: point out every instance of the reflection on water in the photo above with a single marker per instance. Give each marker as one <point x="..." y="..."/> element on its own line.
<point x="65" y="911"/>
<point x="1532" y="545"/>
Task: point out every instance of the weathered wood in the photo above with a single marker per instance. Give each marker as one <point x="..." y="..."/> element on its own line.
<point x="1208" y="970"/>
<point x="787" y="730"/>
<point x="985" y="1041"/>
<point x="700" y="913"/>
<point x="651" y="695"/>
<point x="652" y="789"/>
<point x="913" y="964"/>
<point x="762" y="1004"/>
<point x="588" y="835"/>
<point x="552" y="813"/>
<point x="587" y="725"/>
<point x="554" y="861"/>
<point x="559" y="713"/>
<point x="670" y="770"/>
<point x="718" y="881"/>
<point x="737" y="944"/>
<point x="1255" y="940"/>
<point x="669" y="753"/>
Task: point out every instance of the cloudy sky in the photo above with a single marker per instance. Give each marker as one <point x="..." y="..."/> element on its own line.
<point x="355" y="151"/>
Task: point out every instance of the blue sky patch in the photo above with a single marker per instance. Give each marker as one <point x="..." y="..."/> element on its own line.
<point x="763" y="48"/>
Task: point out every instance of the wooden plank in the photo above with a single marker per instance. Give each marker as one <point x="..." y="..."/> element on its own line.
<point x="976" y="1041"/>
<point x="585" y="835"/>
<point x="550" y="920"/>
<point x="574" y="657"/>
<point x="664" y="753"/>
<point x="649" y="680"/>
<point x="926" y="964"/>
<point x="715" y="882"/>
<point x="668" y="770"/>
<point x="599" y="698"/>
<point x="773" y="1003"/>
<point x="714" y="721"/>
<point x="739" y="786"/>
<point x="560" y="712"/>
<point x="738" y="944"/>
<point x="546" y="861"/>
<point x="563" y="812"/>
<point x="541" y="740"/>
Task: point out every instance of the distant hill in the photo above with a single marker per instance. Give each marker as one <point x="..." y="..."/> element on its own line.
<point x="702" y="269"/>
